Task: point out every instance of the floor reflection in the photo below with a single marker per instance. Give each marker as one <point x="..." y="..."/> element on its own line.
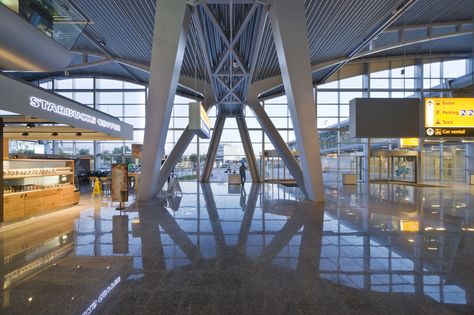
<point x="380" y="238"/>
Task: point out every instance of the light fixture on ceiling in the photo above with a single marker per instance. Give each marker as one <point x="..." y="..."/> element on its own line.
<point x="30" y="125"/>
<point x="78" y="134"/>
<point x="55" y="134"/>
<point x="102" y="42"/>
<point x="25" y="134"/>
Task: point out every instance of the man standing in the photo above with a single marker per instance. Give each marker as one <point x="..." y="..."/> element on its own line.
<point x="242" y="170"/>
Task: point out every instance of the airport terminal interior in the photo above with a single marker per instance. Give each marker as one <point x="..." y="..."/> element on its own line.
<point x="237" y="157"/>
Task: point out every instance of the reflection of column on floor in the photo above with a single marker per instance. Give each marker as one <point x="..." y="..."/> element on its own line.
<point x="97" y="229"/>
<point x="311" y="242"/>
<point x="248" y="216"/>
<point x="152" y="249"/>
<point x="214" y="219"/>
<point x="366" y="242"/>
<point x="174" y="231"/>
<point x="283" y="237"/>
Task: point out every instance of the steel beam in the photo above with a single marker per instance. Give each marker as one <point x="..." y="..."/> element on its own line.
<point x="169" y="43"/>
<point x="204" y="45"/>
<point x="247" y="144"/>
<point x="174" y="156"/>
<point x="212" y="151"/>
<point x="291" y="43"/>
<point x="179" y="148"/>
<point x="280" y="145"/>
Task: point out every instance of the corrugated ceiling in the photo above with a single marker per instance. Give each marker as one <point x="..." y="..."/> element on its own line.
<point x="124" y="29"/>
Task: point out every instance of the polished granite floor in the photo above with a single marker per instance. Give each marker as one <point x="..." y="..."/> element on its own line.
<point x="219" y="249"/>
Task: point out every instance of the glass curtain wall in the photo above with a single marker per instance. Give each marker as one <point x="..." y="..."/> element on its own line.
<point x="340" y="153"/>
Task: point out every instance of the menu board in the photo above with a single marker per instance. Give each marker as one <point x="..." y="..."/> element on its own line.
<point x="449" y="117"/>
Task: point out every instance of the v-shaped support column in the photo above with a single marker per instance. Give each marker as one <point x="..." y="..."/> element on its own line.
<point x="169" y="43"/>
<point x="288" y="24"/>
<point x="212" y="151"/>
<point x="247" y="144"/>
<point x="278" y="142"/>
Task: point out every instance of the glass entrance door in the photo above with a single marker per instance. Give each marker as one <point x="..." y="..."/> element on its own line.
<point x="403" y="168"/>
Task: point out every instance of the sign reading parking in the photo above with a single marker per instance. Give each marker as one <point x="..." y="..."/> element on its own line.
<point x="449" y="117"/>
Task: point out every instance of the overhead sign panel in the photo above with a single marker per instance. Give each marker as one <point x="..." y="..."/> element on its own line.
<point x="25" y="99"/>
<point x="198" y="120"/>
<point x="384" y="118"/>
<point x="449" y="117"/>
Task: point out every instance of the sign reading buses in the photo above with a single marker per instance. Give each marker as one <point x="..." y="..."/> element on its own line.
<point x="449" y="117"/>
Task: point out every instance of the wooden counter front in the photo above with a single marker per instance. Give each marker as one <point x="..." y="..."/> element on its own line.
<point x="13" y="207"/>
<point x="33" y="202"/>
<point x="28" y="203"/>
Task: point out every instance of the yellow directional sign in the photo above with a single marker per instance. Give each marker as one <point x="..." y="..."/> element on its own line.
<point x="449" y="117"/>
<point x="409" y="142"/>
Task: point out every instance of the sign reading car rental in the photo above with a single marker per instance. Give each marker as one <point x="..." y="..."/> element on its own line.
<point x="449" y="117"/>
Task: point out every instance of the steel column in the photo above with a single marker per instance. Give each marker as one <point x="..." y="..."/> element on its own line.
<point x="278" y="143"/>
<point x="247" y="144"/>
<point x="291" y="44"/>
<point x="169" y="43"/>
<point x="212" y="151"/>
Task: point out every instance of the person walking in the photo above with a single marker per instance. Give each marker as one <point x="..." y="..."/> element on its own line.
<point x="242" y="170"/>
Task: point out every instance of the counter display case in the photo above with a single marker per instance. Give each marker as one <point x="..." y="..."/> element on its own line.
<point x="36" y="186"/>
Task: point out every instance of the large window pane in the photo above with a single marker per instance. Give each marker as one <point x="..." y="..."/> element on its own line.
<point x="351" y="83"/>
<point x="114" y="110"/>
<point x="327" y="97"/>
<point x="109" y="98"/>
<point x="109" y="84"/>
<point x="454" y="68"/>
<point x="276" y="110"/>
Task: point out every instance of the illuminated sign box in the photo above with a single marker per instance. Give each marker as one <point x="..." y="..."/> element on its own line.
<point x="24" y="99"/>
<point x="449" y="117"/>
<point x="409" y="143"/>
<point x="409" y="226"/>
<point x="198" y="120"/>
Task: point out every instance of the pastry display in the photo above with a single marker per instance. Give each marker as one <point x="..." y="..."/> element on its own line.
<point x="30" y="187"/>
<point x="37" y="171"/>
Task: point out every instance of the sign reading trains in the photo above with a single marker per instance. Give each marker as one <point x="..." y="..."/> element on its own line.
<point x="449" y="117"/>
